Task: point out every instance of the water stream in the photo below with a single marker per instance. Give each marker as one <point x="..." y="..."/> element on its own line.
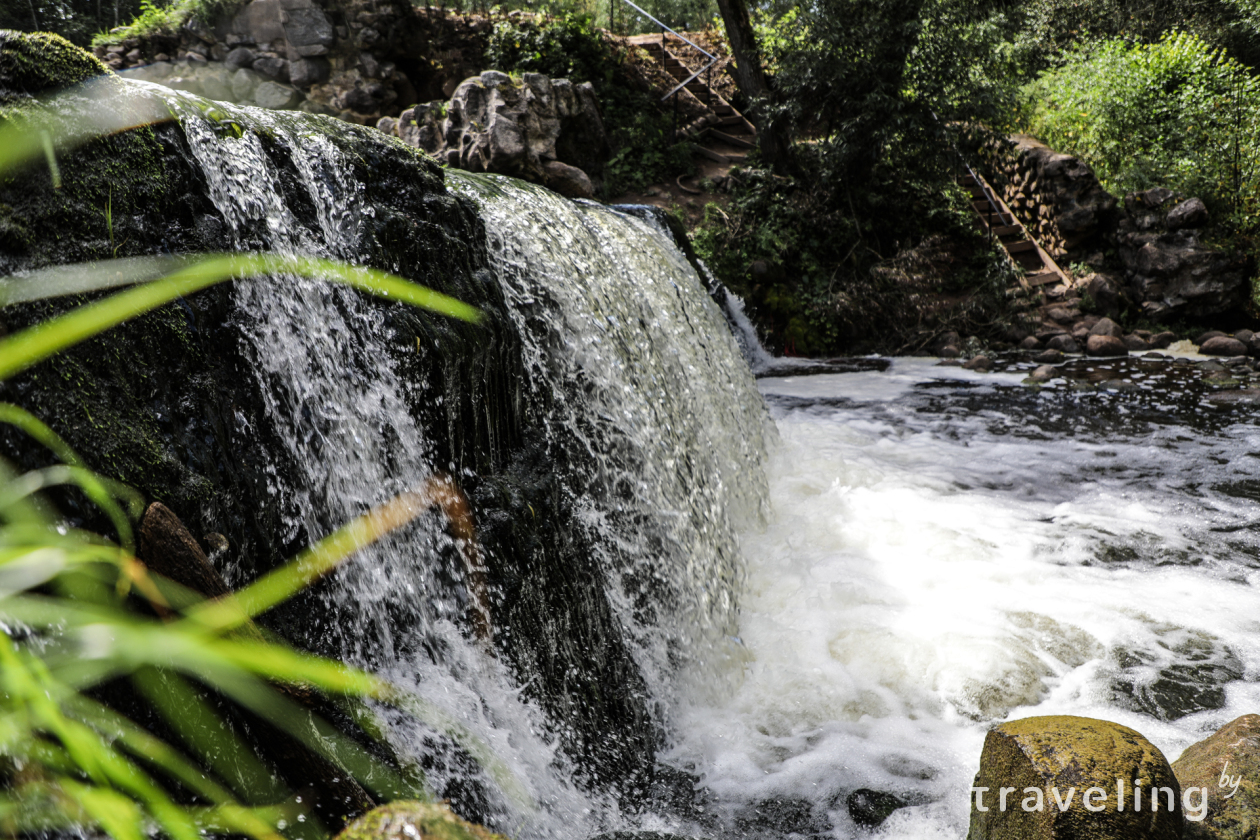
<point x="847" y="602"/>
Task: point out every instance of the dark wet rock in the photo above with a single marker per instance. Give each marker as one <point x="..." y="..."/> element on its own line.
<point x="272" y="68"/>
<point x="1223" y="345"/>
<point x="1080" y="332"/>
<point x="1191" y="213"/>
<point x="1162" y="340"/>
<point x="240" y="57"/>
<point x="782" y="816"/>
<point x="307" y="32"/>
<point x="1049" y="357"/>
<point x="1173" y="275"/>
<point x="166" y="547"/>
<point x="1062" y="315"/>
<point x="1207" y="335"/>
<point x="1036" y="756"/>
<point x="1105" y="345"/>
<point x="1136" y="343"/>
<point x="176" y="415"/>
<point x="949" y="351"/>
<point x="1108" y="327"/>
<point x="1105" y="294"/>
<point x="567" y="180"/>
<point x="1030" y="343"/>
<point x="980" y="363"/>
<point x="1155" y="198"/>
<point x="305" y="72"/>
<point x="869" y="808"/>
<point x="1063" y="343"/>
<point x="1187" y="673"/>
<point x="1047" y="333"/>
<point x="1244" y="336"/>
<point x="1233" y="751"/>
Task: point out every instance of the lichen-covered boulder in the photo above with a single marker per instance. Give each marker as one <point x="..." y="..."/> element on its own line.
<point x="1227" y="765"/>
<point x="494" y="123"/>
<point x="408" y="820"/>
<point x="1071" y="777"/>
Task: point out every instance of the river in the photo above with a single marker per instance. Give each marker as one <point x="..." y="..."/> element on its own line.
<point x="947" y="550"/>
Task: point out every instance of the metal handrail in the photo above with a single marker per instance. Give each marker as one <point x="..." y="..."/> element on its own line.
<point x="667" y="29"/>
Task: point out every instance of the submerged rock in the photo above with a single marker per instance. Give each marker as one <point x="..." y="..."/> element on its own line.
<point x="1072" y="777"/>
<point x="869" y="808"/>
<point x="1227" y="765"/>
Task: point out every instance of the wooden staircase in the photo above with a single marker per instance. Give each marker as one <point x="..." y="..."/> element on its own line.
<point x="1037" y="271"/>
<point x="724" y="134"/>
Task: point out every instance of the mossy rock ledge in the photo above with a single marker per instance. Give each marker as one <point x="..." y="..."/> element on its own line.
<point x="407" y="820"/>
<point x="1229" y="757"/>
<point x="1083" y="773"/>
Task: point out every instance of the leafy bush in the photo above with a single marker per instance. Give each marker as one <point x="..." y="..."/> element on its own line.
<point x="1179" y="114"/>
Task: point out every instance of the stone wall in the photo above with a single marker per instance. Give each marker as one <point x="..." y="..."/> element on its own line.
<point x="1146" y="255"/>
<point x="354" y="59"/>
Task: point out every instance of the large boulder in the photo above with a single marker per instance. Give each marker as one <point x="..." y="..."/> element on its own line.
<point x="1227" y="766"/>
<point x="1071" y="777"/>
<point x="1172" y="272"/>
<point x="494" y="123"/>
<point x="407" y="820"/>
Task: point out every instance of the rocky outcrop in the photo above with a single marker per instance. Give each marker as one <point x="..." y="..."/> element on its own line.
<point x="1072" y="777"/>
<point x="544" y="130"/>
<point x="1227" y="764"/>
<point x="1169" y="270"/>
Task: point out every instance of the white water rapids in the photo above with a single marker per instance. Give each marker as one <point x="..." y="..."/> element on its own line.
<point x="940" y="558"/>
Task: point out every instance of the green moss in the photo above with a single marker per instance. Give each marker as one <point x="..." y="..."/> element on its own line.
<point x="35" y="63"/>
<point x="1062" y="753"/>
<point x="1202" y="765"/>
<point x="414" y="821"/>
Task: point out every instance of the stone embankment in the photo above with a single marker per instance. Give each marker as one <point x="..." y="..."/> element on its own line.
<point x="1146" y="256"/>
<point x="353" y="59"/>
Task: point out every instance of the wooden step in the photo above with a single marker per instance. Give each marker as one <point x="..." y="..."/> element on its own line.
<point x="1008" y="230"/>
<point x="718" y="157"/>
<point x="1044" y="278"/>
<point x="735" y="140"/>
<point x="1020" y="247"/>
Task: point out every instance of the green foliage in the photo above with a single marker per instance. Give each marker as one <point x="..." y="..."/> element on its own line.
<point x="851" y="249"/>
<point x="569" y="46"/>
<point x="154" y="19"/>
<point x="1179" y="114"/>
<point x="1050" y="28"/>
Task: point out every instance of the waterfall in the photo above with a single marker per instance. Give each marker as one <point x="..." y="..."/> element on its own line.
<point x="608" y="500"/>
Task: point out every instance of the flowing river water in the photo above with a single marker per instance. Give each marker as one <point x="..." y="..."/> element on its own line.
<point x="946" y="550"/>
<point x="839" y="588"/>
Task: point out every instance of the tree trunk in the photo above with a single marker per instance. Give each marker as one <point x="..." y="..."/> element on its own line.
<point x="750" y="78"/>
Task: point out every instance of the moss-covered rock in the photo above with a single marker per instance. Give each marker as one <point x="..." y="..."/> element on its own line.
<point x="1227" y="765"/>
<point x="414" y="821"/>
<point x="39" y="62"/>
<point x="1072" y="777"/>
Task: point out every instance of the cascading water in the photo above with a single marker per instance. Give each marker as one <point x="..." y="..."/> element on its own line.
<point x="937" y="549"/>
<point x="644" y="413"/>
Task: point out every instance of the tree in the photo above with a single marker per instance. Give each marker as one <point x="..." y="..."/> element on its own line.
<point x="750" y="78"/>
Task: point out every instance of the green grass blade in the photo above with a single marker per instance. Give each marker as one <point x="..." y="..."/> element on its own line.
<point x="19" y="352"/>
